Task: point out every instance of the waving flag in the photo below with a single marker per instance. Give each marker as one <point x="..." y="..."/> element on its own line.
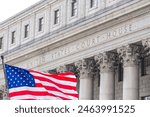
<point x="33" y="85"/>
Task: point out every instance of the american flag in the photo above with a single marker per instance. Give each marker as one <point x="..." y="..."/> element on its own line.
<point x="34" y="85"/>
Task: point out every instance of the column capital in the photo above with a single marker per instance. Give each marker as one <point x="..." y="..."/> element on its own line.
<point x="105" y="61"/>
<point x="129" y="54"/>
<point x="146" y="45"/>
<point x="85" y="66"/>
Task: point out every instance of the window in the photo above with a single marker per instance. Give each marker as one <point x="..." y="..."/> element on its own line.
<point x="13" y="36"/>
<point x="26" y="31"/>
<point x="1" y="42"/>
<point x="92" y="3"/>
<point x="56" y="16"/>
<point x="120" y="72"/>
<point x="74" y="8"/>
<point x="41" y="23"/>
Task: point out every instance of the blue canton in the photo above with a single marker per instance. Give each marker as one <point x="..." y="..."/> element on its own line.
<point x="18" y="77"/>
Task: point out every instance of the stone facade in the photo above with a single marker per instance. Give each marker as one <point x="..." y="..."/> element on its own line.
<point x="89" y="40"/>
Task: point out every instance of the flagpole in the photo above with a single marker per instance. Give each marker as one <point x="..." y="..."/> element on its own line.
<point x="5" y="75"/>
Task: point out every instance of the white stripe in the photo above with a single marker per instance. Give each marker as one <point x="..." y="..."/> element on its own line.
<point x="37" y="89"/>
<point x="68" y="83"/>
<point x="70" y="76"/>
<point x="53" y="85"/>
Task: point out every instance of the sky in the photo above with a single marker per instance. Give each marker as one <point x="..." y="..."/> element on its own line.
<point x="9" y="8"/>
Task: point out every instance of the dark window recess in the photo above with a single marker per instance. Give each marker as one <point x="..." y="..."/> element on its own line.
<point x="99" y="78"/>
<point x="1" y="42"/>
<point x="41" y="22"/>
<point x="120" y="72"/>
<point x="143" y="69"/>
<point x="145" y="98"/>
<point x="56" y="16"/>
<point x="52" y="71"/>
<point x="1" y="95"/>
<point x="92" y="2"/>
<point x="145" y="62"/>
<point x="73" y="8"/>
<point x="13" y="36"/>
<point x="26" y="31"/>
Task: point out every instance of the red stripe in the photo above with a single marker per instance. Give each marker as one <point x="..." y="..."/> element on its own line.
<point x="59" y="85"/>
<point x="26" y="92"/>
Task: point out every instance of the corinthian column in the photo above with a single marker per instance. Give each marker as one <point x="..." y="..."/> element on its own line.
<point x="85" y="71"/>
<point x="129" y="55"/>
<point x="105" y="62"/>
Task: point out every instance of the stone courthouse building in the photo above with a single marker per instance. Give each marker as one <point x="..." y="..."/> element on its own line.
<point x="106" y="43"/>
